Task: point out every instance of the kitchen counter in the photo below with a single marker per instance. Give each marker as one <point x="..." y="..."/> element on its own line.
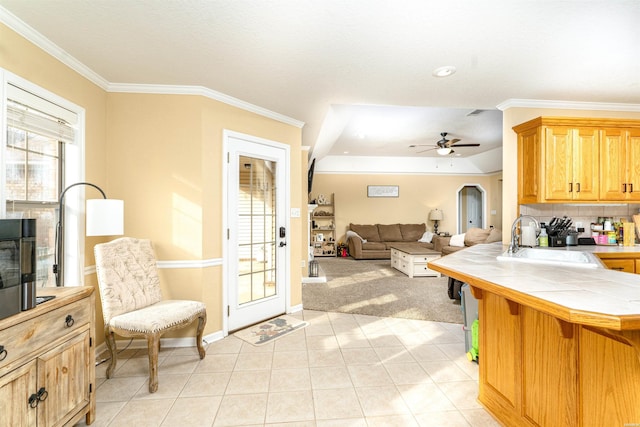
<point x="595" y="297"/>
<point x="557" y="345"/>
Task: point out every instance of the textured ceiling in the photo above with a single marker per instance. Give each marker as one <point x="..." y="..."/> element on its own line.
<point x="343" y="67"/>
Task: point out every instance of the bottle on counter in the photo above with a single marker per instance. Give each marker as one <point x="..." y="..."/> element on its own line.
<point x="543" y="239"/>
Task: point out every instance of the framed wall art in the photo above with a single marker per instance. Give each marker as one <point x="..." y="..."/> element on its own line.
<point x="383" y="191"/>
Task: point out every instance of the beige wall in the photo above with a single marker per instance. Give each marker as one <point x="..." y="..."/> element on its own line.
<point x="162" y="154"/>
<point x="166" y="154"/>
<point x="418" y="195"/>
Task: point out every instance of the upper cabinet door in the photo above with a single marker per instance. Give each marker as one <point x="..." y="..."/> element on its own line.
<point x="586" y="164"/>
<point x="633" y="164"/>
<point x="558" y="149"/>
<point x="620" y="154"/>
<point x="613" y="154"/>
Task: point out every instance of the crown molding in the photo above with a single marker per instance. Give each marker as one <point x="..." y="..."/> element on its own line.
<point x="17" y="25"/>
<point x="202" y="91"/>
<point x="566" y="105"/>
<point x="24" y="30"/>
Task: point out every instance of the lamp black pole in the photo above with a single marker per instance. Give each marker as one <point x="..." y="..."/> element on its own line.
<point x="58" y="267"/>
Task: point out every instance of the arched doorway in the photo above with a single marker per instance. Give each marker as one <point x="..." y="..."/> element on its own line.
<point x="471" y="206"/>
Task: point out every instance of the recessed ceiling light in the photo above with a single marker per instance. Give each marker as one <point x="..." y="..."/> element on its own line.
<point x="445" y="71"/>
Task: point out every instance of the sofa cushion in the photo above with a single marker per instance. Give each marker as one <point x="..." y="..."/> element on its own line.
<point x="366" y="232"/>
<point x="494" y="236"/>
<point x="457" y="240"/>
<point x="412" y="232"/>
<point x="427" y="237"/>
<point x="474" y="235"/>
<point x="374" y="246"/>
<point x="389" y="233"/>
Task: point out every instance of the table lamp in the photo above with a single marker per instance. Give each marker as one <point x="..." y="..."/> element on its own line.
<point x="435" y="216"/>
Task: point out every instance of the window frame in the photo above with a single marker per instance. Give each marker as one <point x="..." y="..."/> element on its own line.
<point x="73" y="171"/>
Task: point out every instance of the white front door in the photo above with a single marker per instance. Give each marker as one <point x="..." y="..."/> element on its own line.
<point x="256" y="255"/>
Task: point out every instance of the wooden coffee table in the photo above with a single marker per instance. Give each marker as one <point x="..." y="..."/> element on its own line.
<point x="412" y="260"/>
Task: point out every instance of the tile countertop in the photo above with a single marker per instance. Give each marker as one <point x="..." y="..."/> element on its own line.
<point x="594" y="297"/>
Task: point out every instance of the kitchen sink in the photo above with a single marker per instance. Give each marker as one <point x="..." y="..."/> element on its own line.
<point x="561" y="257"/>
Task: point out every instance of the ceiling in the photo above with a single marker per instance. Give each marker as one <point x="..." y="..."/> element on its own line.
<point x="358" y="73"/>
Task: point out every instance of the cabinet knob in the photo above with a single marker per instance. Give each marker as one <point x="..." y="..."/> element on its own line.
<point x="571" y="187"/>
<point x="624" y="188"/>
<point x="69" y="321"/>
<point x="631" y="187"/>
<point x="3" y="353"/>
<point x="578" y="185"/>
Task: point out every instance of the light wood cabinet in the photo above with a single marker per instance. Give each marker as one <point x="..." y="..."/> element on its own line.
<point x="563" y="159"/>
<point x="539" y="370"/>
<point x="620" y="152"/>
<point x="47" y="362"/>
<point x="628" y="262"/>
<point x="571" y="163"/>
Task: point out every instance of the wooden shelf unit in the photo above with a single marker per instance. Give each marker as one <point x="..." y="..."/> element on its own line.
<point x="323" y="229"/>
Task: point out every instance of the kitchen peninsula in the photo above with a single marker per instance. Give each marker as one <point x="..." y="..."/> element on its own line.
<point x="559" y="346"/>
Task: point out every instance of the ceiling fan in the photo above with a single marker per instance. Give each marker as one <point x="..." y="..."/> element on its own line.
<point x="444" y="146"/>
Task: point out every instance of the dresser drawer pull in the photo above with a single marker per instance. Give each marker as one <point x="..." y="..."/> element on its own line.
<point x="41" y="396"/>
<point x="69" y="321"/>
<point x="3" y="353"/>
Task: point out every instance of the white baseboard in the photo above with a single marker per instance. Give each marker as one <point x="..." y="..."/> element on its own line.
<point x="296" y="308"/>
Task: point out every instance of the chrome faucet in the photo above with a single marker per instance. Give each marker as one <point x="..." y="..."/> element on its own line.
<point x="513" y="247"/>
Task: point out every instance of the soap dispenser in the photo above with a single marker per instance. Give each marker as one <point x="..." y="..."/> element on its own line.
<point x="543" y="239"/>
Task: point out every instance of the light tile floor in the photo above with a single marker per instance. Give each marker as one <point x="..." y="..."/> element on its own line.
<point x="341" y="370"/>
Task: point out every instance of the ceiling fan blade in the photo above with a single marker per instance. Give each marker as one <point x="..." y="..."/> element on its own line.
<point x="453" y="141"/>
<point x="467" y="145"/>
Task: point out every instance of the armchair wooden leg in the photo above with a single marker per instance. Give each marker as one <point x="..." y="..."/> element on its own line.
<point x="202" y="321"/>
<point x="153" y="345"/>
<point x="113" y="351"/>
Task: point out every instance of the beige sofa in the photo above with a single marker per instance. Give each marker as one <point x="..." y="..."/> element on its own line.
<point x="473" y="236"/>
<point x="374" y="241"/>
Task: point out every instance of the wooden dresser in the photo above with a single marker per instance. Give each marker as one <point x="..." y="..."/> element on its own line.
<point x="47" y="361"/>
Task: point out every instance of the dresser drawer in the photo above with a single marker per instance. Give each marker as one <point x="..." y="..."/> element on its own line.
<point x="33" y="335"/>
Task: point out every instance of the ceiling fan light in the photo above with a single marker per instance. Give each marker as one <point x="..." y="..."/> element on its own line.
<point x="443" y="151"/>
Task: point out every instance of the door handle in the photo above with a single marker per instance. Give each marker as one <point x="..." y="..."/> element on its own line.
<point x="282" y="244"/>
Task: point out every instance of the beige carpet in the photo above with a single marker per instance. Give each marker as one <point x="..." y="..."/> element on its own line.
<point x="372" y="287"/>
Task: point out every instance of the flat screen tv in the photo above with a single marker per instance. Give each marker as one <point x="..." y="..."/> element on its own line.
<point x="310" y="178"/>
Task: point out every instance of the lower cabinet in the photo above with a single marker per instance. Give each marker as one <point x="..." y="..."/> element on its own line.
<point x="47" y="362"/>
<point x="627" y="262"/>
<point x="538" y="370"/>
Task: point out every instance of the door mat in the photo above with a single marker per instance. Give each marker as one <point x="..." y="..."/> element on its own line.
<point x="270" y="330"/>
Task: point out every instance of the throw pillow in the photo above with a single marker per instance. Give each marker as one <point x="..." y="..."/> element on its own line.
<point x="457" y="240"/>
<point x="351" y="234"/>
<point x="426" y="237"/>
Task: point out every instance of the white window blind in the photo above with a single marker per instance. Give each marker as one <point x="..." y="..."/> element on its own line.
<point x="31" y="113"/>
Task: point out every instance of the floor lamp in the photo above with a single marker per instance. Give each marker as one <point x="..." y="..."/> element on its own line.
<point x="104" y="217"/>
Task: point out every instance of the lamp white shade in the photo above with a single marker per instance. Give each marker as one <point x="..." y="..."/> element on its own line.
<point x="435" y="215"/>
<point x="444" y="151"/>
<point x="105" y="217"/>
